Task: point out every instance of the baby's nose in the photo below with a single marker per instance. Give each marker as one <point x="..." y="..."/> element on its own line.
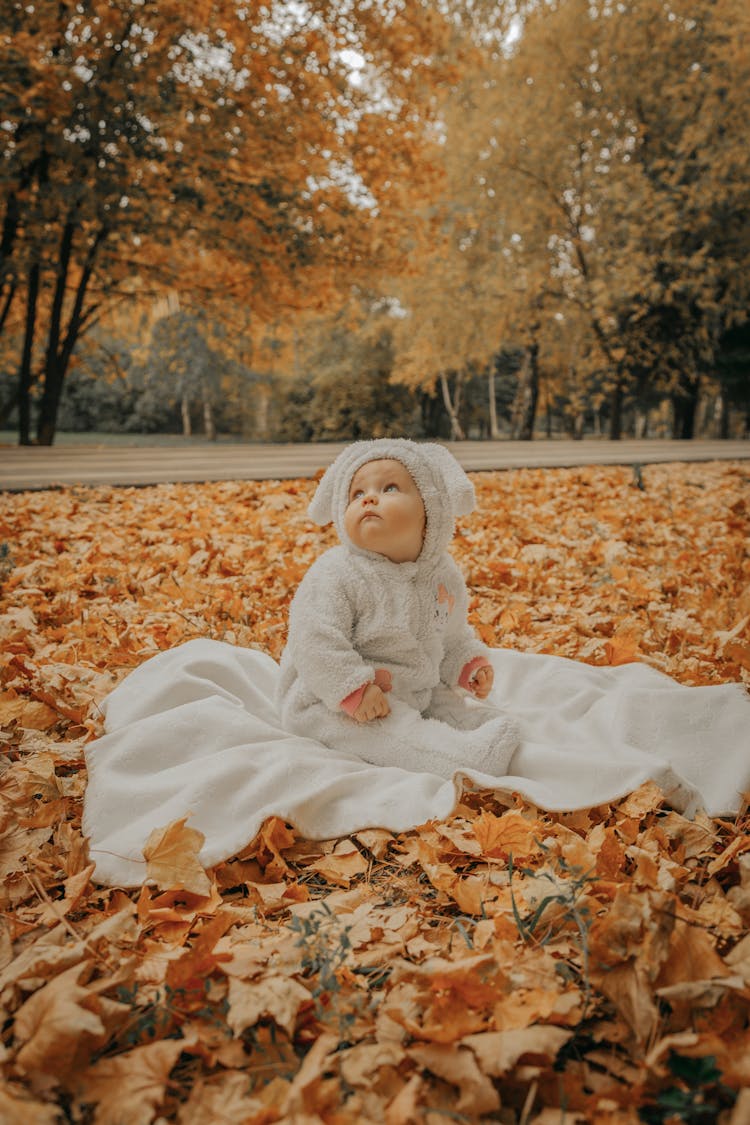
<point x="370" y="499"/>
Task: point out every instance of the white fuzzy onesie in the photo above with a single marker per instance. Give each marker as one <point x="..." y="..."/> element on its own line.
<point x="357" y="613"/>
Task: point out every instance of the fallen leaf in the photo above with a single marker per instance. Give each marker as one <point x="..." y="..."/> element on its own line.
<point x="498" y="1052"/>
<point x="279" y="997"/>
<point x="171" y="856"/>
<point x="131" y="1086"/>
<point x="342" y="865"/>
<point x="509" y="834"/>
<point x="458" y="1065"/>
<point x="54" y="1026"/>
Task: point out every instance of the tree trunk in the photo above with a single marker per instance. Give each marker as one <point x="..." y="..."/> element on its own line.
<point x="615" y="410"/>
<point x="208" y="419"/>
<point x="7" y="406"/>
<point x="452" y="406"/>
<point x="53" y="375"/>
<point x="494" y="431"/>
<point x="58" y="354"/>
<point x="7" y="239"/>
<point x="24" y="374"/>
<point x="185" y="411"/>
<point x="46" y="426"/>
<point x="527" y="395"/>
<point x="640" y="427"/>
<point x="431" y="414"/>
<point x="685" y="402"/>
<point x="723" y="416"/>
<point x="8" y="301"/>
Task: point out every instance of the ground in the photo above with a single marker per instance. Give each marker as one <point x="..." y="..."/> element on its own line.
<point x="506" y="965"/>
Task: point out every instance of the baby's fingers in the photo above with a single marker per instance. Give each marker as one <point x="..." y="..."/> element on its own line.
<point x="483" y="682"/>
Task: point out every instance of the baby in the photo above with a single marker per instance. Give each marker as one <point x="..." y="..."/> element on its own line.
<point x="380" y="659"/>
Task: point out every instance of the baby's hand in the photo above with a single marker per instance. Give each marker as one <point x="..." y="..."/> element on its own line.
<point x="373" y="705"/>
<point x="482" y="681"/>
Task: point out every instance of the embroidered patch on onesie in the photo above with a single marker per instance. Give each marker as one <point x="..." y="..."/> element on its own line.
<point x="444" y="603"/>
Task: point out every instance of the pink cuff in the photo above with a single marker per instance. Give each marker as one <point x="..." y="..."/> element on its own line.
<point x="468" y="670"/>
<point x="353" y="700"/>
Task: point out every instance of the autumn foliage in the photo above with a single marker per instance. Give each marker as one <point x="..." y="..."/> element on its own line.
<point x="507" y="964"/>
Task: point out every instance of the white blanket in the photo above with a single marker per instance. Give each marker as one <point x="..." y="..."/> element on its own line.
<point x="194" y="731"/>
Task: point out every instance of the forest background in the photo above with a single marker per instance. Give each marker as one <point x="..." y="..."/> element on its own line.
<point x="319" y="220"/>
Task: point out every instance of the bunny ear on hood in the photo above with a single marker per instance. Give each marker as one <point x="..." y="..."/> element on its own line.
<point x="445" y="488"/>
<point x="320" y="508"/>
<point x="459" y="490"/>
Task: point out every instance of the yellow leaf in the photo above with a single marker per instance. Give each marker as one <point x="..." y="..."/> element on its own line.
<point x="131" y="1086"/>
<point x="342" y="865"/>
<point x="506" y="834"/>
<point x="622" y="649"/>
<point x="171" y="856"/>
<point x="277" y="996"/>
<point x="17" y="1108"/>
<point x="497" y="1052"/>
<point x="458" y="1065"/>
<point x="57" y="1022"/>
<point x="28" y="713"/>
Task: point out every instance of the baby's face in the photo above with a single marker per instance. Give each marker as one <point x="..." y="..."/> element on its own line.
<point x="385" y="512"/>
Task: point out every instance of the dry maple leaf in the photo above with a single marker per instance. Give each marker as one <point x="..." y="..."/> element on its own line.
<point x="341" y="865"/>
<point x="171" y="856"/>
<point x="498" y="1051"/>
<point x="279" y="997"/>
<point x="509" y="834"/>
<point x="224" y="1099"/>
<point x="17" y="1108"/>
<point x="30" y="713"/>
<point x="129" y="1087"/>
<point x="458" y="1065"/>
<point x="623" y="648"/>
<point x="54" y="1026"/>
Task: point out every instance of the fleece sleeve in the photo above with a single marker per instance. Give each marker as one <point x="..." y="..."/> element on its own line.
<point x="462" y="647"/>
<point x="321" y="621"/>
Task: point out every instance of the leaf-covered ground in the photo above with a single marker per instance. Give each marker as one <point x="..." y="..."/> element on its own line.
<point x="601" y="974"/>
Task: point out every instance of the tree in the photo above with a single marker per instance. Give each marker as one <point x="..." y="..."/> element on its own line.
<point x="617" y="132"/>
<point x="339" y="386"/>
<point x="221" y="149"/>
<point x="592" y="206"/>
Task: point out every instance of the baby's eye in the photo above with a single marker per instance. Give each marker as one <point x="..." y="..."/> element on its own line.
<point x="391" y="488"/>
<point x="356" y="495"/>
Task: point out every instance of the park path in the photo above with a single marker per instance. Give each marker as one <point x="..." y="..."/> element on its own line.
<point x="35" y="467"/>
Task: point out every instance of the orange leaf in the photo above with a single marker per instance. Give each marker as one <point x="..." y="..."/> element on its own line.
<point x="740" y="652"/>
<point x="343" y="864"/>
<point x="502" y="835"/>
<point x="190" y="971"/>
<point x="623" y="648"/>
<point x="610" y="858"/>
<point x="56" y="1022"/>
<point x="17" y="1107"/>
<point x="29" y="713"/>
<point x="130" y="1087"/>
<point x="268" y="845"/>
<point x="171" y="856"/>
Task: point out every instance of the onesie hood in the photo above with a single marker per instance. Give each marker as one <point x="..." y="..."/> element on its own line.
<point x="446" y="490"/>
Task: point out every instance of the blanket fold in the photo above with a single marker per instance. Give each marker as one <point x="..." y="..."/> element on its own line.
<point x="194" y="732"/>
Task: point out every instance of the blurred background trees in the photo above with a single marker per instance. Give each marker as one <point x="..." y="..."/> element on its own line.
<point x="329" y="220"/>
